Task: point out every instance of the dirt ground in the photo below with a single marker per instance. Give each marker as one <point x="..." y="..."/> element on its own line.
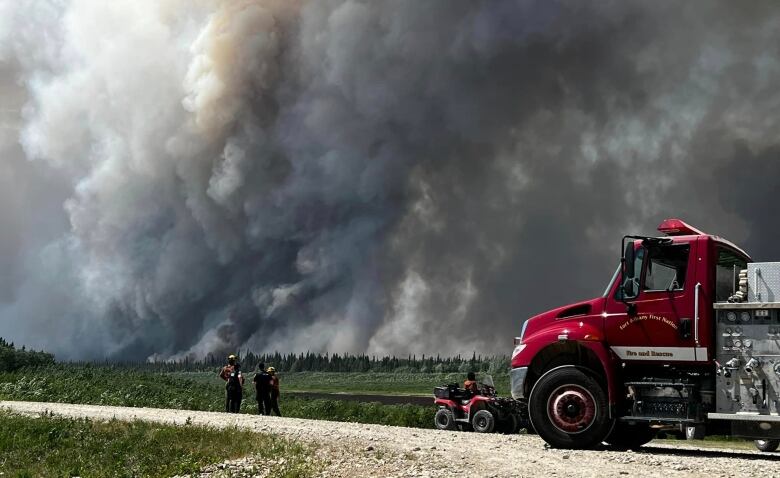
<point x="357" y="450"/>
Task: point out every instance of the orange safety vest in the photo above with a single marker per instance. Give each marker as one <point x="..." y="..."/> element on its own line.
<point x="471" y="386"/>
<point x="226" y="371"/>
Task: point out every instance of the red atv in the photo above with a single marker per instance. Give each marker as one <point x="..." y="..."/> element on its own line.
<point x="483" y="412"/>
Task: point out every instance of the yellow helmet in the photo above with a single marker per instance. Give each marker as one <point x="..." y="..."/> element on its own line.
<point x="231" y="357"/>
<point x="271" y="370"/>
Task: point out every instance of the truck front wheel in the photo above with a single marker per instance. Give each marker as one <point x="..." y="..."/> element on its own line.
<point x="568" y="409"/>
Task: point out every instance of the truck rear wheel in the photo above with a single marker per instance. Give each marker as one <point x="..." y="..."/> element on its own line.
<point x="445" y="420"/>
<point x="625" y="436"/>
<point x="568" y="409"/>
<point x="767" y="445"/>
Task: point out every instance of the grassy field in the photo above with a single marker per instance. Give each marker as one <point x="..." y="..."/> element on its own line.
<point x="47" y="446"/>
<point x="360" y="382"/>
<point x="122" y="387"/>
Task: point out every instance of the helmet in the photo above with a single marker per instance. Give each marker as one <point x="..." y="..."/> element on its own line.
<point x="271" y="370"/>
<point x="231" y="357"/>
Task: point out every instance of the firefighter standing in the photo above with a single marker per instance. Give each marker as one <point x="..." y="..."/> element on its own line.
<point x="262" y="383"/>
<point x="234" y="384"/>
<point x="470" y="384"/>
<point x="274" y="391"/>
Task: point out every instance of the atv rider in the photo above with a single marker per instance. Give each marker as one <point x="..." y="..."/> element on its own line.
<point x="262" y="383"/>
<point x="274" y="392"/>
<point x="234" y="384"/>
<point x="470" y="384"/>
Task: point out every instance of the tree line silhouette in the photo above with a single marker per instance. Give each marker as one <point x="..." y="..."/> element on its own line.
<point x="12" y="359"/>
<point x="325" y="362"/>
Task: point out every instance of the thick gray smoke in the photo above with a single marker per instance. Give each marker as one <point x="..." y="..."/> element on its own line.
<point x="186" y="177"/>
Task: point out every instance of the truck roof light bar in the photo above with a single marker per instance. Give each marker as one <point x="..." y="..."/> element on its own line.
<point x="677" y="227"/>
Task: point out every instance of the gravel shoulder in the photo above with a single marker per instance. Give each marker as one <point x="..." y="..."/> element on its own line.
<point x="352" y="450"/>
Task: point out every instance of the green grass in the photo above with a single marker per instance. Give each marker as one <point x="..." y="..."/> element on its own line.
<point x="123" y="387"/>
<point x="361" y="382"/>
<point x="361" y="412"/>
<point x="58" y="447"/>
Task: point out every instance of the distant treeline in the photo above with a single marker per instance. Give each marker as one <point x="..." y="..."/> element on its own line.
<point x="12" y="358"/>
<point x="310" y="362"/>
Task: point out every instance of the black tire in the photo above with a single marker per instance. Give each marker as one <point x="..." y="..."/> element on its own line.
<point x="445" y="420"/>
<point x="629" y="437"/>
<point x="568" y="409"/>
<point x="767" y="445"/>
<point x="483" y="422"/>
<point x="508" y="425"/>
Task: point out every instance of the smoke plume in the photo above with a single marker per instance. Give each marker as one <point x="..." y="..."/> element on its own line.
<point x="186" y="177"/>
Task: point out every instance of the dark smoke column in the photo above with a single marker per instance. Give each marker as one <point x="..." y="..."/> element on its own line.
<point x="392" y="177"/>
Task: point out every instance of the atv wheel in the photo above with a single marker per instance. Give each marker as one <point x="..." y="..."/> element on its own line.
<point x="767" y="445"/>
<point x="483" y="422"/>
<point x="445" y="420"/>
<point x="568" y="409"/>
<point x="629" y="437"/>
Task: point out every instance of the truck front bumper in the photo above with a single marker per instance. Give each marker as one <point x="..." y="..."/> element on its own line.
<point x="517" y="381"/>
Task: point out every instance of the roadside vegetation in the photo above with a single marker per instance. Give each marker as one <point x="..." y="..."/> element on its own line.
<point x="120" y="386"/>
<point x="48" y="446"/>
<point x="367" y="383"/>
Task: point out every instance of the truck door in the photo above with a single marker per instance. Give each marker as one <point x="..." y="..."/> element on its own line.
<point x="662" y="326"/>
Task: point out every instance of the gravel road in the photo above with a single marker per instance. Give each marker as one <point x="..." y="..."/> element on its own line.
<point x="357" y="450"/>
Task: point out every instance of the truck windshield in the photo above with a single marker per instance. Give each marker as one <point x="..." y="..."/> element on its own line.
<point x="666" y="268"/>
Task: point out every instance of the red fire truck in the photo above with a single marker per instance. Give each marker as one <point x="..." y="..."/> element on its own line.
<point x="686" y="337"/>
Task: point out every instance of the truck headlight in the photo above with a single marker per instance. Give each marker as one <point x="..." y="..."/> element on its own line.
<point x="522" y="333"/>
<point x="518" y="341"/>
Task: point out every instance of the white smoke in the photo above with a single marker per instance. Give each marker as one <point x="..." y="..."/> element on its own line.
<point x="186" y="177"/>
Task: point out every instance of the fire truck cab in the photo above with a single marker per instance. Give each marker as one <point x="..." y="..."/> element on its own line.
<point x="681" y="339"/>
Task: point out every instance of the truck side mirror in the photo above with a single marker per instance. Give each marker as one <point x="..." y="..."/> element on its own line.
<point x="628" y="260"/>
<point x="629" y="281"/>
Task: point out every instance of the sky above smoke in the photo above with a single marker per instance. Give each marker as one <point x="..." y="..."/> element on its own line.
<point x="195" y="176"/>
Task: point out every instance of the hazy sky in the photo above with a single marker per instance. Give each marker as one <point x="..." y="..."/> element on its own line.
<point x="185" y="177"/>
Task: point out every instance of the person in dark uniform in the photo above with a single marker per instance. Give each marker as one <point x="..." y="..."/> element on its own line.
<point x="262" y="383"/>
<point x="234" y="384"/>
<point x="274" y="391"/>
<point x="235" y="389"/>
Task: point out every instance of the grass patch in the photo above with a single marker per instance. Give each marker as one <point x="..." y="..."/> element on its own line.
<point x="118" y="386"/>
<point x="361" y="412"/>
<point x="383" y="383"/>
<point x="49" y="446"/>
